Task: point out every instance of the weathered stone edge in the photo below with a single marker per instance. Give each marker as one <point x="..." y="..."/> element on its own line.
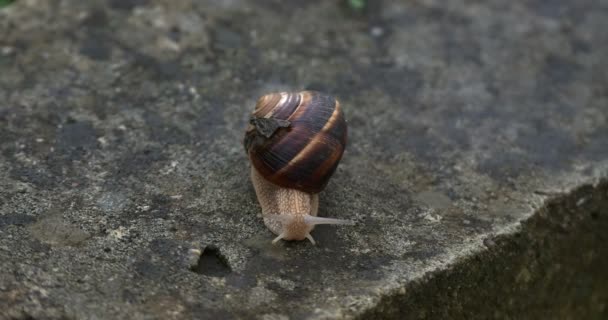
<point x="509" y="279"/>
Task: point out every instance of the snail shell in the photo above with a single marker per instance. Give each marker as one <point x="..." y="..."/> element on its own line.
<point x="294" y="142"/>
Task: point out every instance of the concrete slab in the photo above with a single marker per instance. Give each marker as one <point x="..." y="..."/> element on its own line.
<point x="476" y="166"/>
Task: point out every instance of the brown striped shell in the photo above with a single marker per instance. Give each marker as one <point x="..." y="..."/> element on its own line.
<point x="295" y="140"/>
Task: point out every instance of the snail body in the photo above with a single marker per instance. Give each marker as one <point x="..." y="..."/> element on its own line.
<point x="294" y="143"/>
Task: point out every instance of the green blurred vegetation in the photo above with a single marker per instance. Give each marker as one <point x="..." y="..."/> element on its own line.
<point x="356" y="5"/>
<point x="4" y="3"/>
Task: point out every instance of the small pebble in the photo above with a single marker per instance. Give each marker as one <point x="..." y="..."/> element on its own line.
<point x="377" y="32"/>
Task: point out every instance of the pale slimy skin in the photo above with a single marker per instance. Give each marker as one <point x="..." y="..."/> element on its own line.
<point x="289" y="213"/>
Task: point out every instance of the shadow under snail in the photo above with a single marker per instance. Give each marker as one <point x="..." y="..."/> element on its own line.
<point x="294" y="142"/>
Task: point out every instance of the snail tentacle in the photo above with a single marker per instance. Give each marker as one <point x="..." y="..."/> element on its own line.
<point x="309" y="237"/>
<point x="312" y="220"/>
<point x="281" y="236"/>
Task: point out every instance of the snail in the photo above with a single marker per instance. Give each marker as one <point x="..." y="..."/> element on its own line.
<point x="294" y="143"/>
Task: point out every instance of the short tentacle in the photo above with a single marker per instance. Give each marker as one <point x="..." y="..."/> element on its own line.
<point x="309" y="237"/>
<point x="281" y="236"/>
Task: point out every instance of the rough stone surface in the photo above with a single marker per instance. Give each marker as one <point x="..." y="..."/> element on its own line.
<point x="475" y="169"/>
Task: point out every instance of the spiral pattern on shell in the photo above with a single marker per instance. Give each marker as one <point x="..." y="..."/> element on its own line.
<point x="296" y="140"/>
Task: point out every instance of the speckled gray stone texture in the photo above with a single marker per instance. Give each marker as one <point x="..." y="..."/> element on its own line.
<point x="124" y="190"/>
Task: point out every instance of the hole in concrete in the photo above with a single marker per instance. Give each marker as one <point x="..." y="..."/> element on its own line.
<point x="212" y="263"/>
<point x="595" y="215"/>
